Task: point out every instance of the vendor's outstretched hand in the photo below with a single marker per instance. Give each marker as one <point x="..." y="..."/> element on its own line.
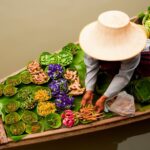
<point x="87" y="98"/>
<point x="99" y="106"/>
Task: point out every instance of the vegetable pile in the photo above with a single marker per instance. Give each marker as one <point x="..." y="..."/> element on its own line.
<point x="46" y="94"/>
<point x="144" y="19"/>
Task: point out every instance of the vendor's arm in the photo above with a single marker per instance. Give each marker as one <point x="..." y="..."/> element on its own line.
<point x="123" y="77"/>
<point x="92" y="68"/>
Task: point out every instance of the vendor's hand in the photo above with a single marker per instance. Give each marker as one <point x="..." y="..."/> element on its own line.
<point x="87" y="98"/>
<point x="99" y="106"/>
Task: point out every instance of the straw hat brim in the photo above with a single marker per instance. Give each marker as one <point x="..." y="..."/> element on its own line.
<point x="108" y="48"/>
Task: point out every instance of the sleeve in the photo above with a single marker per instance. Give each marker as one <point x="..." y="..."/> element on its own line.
<point x="92" y="68"/>
<point x="123" y="77"/>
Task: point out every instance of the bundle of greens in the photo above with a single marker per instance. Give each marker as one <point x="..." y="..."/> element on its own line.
<point x="14" y="80"/>
<point x="17" y="128"/>
<point x="29" y="117"/>
<point x="141" y="90"/>
<point x="9" y="90"/>
<point x="25" y="77"/>
<point x="144" y="19"/>
<point x="53" y="120"/>
<point x="12" y="118"/>
<point x="35" y="127"/>
<point x="25" y="96"/>
<point x="12" y="106"/>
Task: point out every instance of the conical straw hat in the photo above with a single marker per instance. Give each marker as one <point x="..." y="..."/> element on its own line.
<point x="112" y="37"/>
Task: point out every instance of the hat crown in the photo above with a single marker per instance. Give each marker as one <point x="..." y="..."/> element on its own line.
<point x="114" y="19"/>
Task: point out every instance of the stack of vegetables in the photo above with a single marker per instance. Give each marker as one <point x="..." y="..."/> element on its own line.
<point x="144" y="19"/>
<point x="46" y="95"/>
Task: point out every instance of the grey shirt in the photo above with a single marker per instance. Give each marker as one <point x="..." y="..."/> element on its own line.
<point x="119" y="81"/>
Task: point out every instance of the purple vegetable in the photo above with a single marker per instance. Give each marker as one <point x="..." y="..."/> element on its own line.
<point x="55" y="71"/>
<point x="63" y="101"/>
<point x="58" y="86"/>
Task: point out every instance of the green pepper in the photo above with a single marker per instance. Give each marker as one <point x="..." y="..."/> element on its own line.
<point x="9" y="90"/>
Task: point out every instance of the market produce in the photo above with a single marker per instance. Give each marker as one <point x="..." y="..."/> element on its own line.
<point x="14" y="80"/>
<point x="1" y="89"/>
<point x="12" y="118"/>
<point x="69" y="118"/>
<point x="25" y="96"/>
<point x="65" y="58"/>
<point x="25" y="77"/>
<point x="45" y="108"/>
<point x="42" y="95"/>
<point x="87" y="114"/>
<point x="17" y="128"/>
<point x="11" y="106"/>
<point x="55" y="71"/>
<point x="64" y="101"/>
<point x="29" y="117"/>
<point x="53" y="120"/>
<point x="35" y="127"/>
<point x="141" y="90"/>
<point x="144" y="19"/>
<point x="74" y="86"/>
<point x="58" y="86"/>
<point x="9" y="90"/>
<point x="71" y="48"/>
<point x="25" y="93"/>
<point x="46" y="58"/>
<point x="37" y="73"/>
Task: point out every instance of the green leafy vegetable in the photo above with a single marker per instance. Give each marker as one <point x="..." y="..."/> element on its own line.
<point x="11" y="106"/>
<point x="25" y="77"/>
<point x="34" y="128"/>
<point x="53" y="120"/>
<point x="12" y="118"/>
<point x="17" y="128"/>
<point x="29" y="117"/>
<point x="9" y="90"/>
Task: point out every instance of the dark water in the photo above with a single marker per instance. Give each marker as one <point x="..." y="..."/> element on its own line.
<point x="29" y="26"/>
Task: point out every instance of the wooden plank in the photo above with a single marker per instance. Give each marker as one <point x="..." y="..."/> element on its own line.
<point x="118" y="121"/>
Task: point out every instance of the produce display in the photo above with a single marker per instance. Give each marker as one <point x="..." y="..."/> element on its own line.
<point x="12" y="106"/>
<point x="17" y="128"/>
<point x="12" y="118"/>
<point x="46" y="95"/>
<point x="144" y="19"/>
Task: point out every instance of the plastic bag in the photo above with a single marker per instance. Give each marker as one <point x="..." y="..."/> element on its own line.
<point x="122" y="104"/>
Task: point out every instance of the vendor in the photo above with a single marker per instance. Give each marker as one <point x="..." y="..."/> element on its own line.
<point x="111" y="39"/>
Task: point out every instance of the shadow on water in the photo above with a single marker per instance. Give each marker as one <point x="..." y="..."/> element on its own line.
<point x="102" y="140"/>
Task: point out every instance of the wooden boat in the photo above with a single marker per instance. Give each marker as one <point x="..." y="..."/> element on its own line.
<point x="76" y="130"/>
